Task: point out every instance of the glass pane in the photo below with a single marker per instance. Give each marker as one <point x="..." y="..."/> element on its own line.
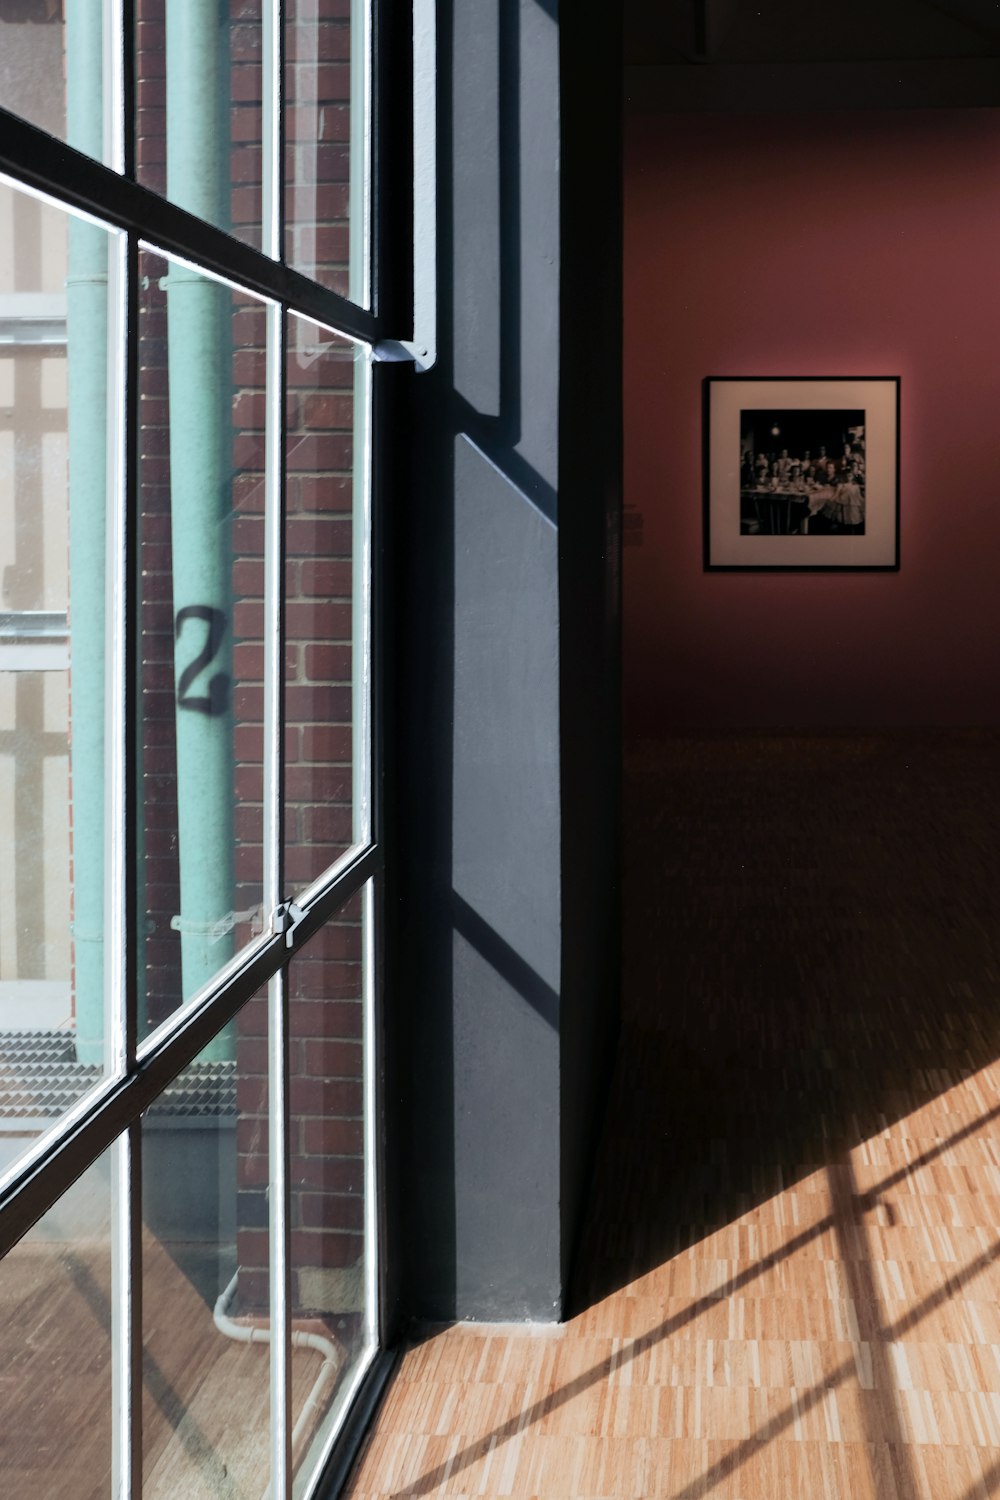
<point x="202" y="619"/>
<point x="327" y="171"/>
<point x="53" y="508"/>
<point x="326" y="691"/>
<point x="37" y="37"/>
<point x="198" y="120"/>
<point x="206" y="1314"/>
<point x="55" y="1350"/>
<point x="329" y="1250"/>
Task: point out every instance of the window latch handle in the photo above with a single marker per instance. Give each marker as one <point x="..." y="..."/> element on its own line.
<point x="286" y="918"/>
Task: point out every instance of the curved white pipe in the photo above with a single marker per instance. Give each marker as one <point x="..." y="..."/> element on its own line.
<point x="249" y="1332"/>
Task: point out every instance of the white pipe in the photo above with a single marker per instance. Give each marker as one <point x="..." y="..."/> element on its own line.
<point x="249" y="1331"/>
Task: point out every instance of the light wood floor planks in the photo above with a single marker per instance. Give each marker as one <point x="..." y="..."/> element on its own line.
<point x="205" y="1397"/>
<point x="790" y="1277"/>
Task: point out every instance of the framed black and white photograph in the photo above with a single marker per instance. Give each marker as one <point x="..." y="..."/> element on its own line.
<point x="802" y="473"/>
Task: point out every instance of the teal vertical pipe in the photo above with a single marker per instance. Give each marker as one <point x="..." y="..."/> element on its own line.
<point x="87" y="381"/>
<point x="198" y="341"/>
<point x="359" y="167"/>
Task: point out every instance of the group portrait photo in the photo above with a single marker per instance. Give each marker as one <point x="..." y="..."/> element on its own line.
<point x="802" y="473"/>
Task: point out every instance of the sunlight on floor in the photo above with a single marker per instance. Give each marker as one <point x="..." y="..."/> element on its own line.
<point x="842" y="1338"/>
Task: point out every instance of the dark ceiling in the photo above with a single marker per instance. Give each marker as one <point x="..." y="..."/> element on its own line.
<point x="789" y="31"/>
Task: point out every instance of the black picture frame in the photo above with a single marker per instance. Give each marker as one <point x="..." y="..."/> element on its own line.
<point x="777" y="494"/>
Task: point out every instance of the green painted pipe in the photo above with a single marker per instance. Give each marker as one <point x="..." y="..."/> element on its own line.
<point x="200" y="381"/>
<point x="198" y="107"/>
<point x="87" y="380"/>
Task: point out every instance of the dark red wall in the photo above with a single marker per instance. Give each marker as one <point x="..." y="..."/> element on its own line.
<point x="847" y="244"/>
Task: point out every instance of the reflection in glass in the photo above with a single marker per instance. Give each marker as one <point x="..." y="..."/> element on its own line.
<point x="331" y="1267"/>
<point x="206" y="1314"/>
<point x="54" y="497"/>
<point x="198" y="119"/>
<point x="326" y="681"/>
<point x="55" y="1349"/>
<point x="327" y="169"/>
<point x="202" y="589"/>
<point x="37" y="38"/>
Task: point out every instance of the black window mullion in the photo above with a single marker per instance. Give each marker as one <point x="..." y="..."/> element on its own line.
<point x="110" y="1117"/>
<point x="126" y="62"/>
<point x="38" y="160"/>
<point x="48" y="1171"/>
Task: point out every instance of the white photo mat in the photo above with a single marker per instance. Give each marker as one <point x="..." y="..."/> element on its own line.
<point x="727" y="398"/>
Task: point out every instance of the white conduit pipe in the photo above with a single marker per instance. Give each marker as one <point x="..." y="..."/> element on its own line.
<point x="249" y="1332"/>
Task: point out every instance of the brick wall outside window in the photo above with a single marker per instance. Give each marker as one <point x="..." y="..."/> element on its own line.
<point x="325" y="979"/>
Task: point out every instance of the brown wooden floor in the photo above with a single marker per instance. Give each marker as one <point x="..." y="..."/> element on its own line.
<point x="205" y="1397"/>
<point x="790" y="1279"/>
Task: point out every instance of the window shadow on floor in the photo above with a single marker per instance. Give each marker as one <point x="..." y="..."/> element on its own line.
<point x="812" y="952"/>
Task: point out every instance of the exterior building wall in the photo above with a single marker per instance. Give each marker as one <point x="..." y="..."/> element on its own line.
<point x="325" y="988"/>
<point x="35" y="890"/>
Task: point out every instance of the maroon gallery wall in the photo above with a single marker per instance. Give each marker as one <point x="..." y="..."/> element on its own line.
<point x="839" y="244"/>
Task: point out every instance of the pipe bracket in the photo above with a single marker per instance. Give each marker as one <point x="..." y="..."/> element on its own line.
<point x="221" y="927"/>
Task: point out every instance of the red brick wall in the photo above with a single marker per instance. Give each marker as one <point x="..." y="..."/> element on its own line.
<point x="325" y="987"/>
<point x="161" y="952"/>
<point x="317" y="142"/>
<point x="327" y="1133"/>
<point x="325" y="980"/>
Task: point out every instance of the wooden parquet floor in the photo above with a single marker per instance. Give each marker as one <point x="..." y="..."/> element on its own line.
<point x="205" y="1397"/>
<point x="789" y="1282"/>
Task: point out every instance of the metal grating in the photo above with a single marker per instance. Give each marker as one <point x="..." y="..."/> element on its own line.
<point x="40" y="1078"/>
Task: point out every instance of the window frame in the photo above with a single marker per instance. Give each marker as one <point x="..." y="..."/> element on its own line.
<point x="108" y="1115"/>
